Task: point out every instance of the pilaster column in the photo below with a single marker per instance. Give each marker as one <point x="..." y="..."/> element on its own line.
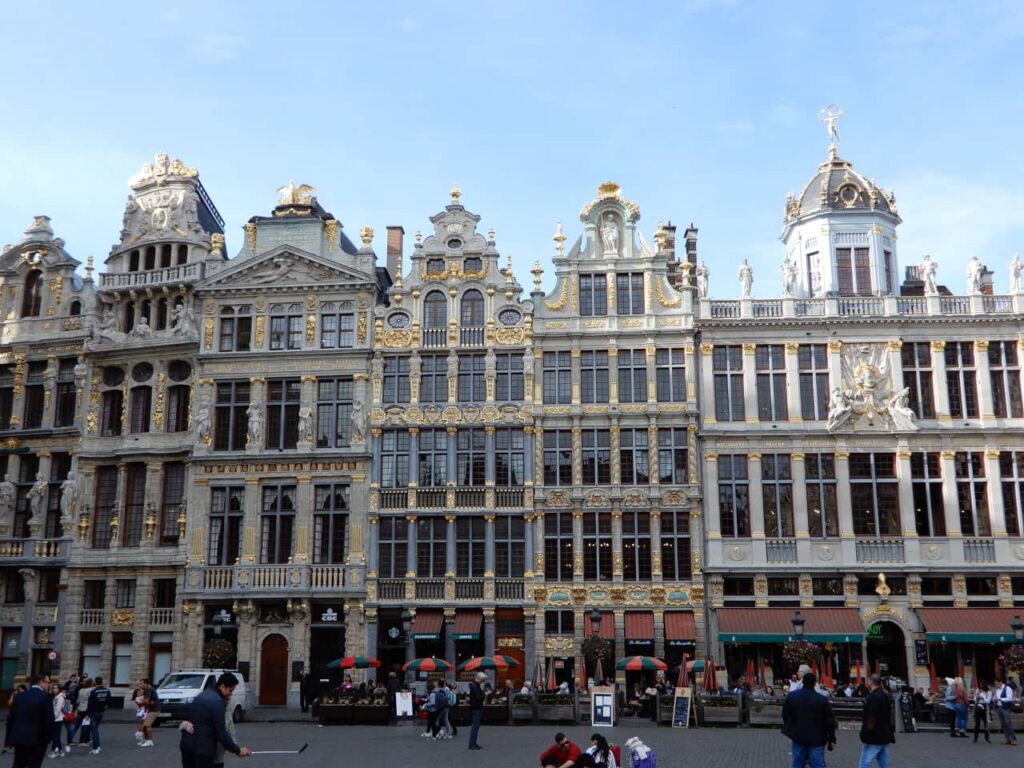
<point x="844" y="502"/>
<point x="656" y="545"/>
<point x="489" y="546"/>
<point x="983" y="379"/>
<point x="303" y="517"/>
<point x="453" y="435"/>
<point x="939" y="382"/>
<point x="117" y="521"/>
<point x="49" y="386"/>
<point x="577" y="544"/>
<point x="528" y="534"/>
<point x="712" y="512"/>
<point x="410" y="555"/>
<point x="613" y="374"/>
<point x="651" y="352"/>
<point x="757" y="531"/>
<point x="616" y="544"/>
<point x="750" y="383"/>
<point x="372" y="563"/>
<point x="896" y="364"/>
<point x="489" y="631"/>
<point x="707" y="377"/>
<point x="154" y="495"/>
<point x="951" y="505"/>
<point x="529" y="642"/>
<point x="793" y="380"/>
<point x="620" y="640"/>
<point x="140" y="630"/>
<point x="449" y="633"/>
<point x="449" y="563"/>
<point x="908" y="522"/>
<point x="690" y="368"/>
<point x="801" y="523"/>
<point x="996" y="509"/>
<point x="251" y="519"/>
<point x="659" y="633"/>
<point x="489" y="469"/>
<point x="414" y="464"/>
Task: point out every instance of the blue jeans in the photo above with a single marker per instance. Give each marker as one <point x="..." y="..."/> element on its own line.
<point x="871" y="752"/>
<point x="961" y="717"/>
<point x="475" y="715"/>
<point x="804" y="756"/>
<point x="94" y="729"/>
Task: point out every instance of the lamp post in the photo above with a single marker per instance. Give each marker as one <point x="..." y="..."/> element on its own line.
<point x="798" y="625"/>
<point x="407" y="629"/>
<point x="595" y="622"/>
<point x="1018" y="630"/>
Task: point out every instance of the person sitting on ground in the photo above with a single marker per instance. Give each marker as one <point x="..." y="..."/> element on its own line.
<point x="563" y="754"/>
<point x="601" y="751"/>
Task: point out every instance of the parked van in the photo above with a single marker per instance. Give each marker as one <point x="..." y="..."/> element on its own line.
<point x="178" y="689"/>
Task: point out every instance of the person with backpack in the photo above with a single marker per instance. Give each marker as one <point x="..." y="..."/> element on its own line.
<point x="444" y="725"/>
<point x="430" y="706"/>
<point x="440" y="701"/>
<point x="94" y="711"/>
<point x="453" y="699"/>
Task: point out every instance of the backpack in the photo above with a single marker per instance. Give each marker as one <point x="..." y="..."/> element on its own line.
<point x="66" y="709"/>
<point x="452" y="699"/>
<point x="440" y="699"/>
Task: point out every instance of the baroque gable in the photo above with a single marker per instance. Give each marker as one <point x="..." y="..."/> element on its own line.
<point x="284" y="267"/>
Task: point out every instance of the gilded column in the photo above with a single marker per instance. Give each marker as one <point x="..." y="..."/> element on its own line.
<point x="303" y="517"/>
<point x="616" y="544"/>
<point x="251" y="519"/>
<point x="656" y="545"/>
<point x="613" y="374"/>
<point x="577" y="544"/>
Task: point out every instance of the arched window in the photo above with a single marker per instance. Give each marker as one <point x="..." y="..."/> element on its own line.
<point x="177" y="408"/>
<point x="141" y="401"/>
<point x="129" y="316"/>
<point x="32" y="300"/>
<point x="472" y="309"/>
<point x="150" y="262"/>
<point x="435" y="310"/>
<point x="76" y="308"/>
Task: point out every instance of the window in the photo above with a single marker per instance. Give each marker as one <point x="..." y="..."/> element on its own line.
<point x="333" y="413"/>
<point x="670" y="375"/>
<point x="106" y="497"/>
<point x="557" y="457"/>
<point x="394" y="460"/>
<point x="853" y="277"/>
<point x="173" y="495"/>
<point x="64" y="416"/>
<point x="597" y="546"/>
<point x="6" y="396"/>
<point x="557" y="378"/>
<point x="435" y="318"/>
<point x="822" y="504"/>
<point x="727" y="364"/>
<point x="594" y="376"/>
<point x="235" y="328"/>
<point x="141" y="402"/>
<point x="472" y="264"/>
<point x="470" y="543"/>
<point x="392" y="547"/>
<point x="277" y="523"/>
<point x="889" y="272"/>
<point x="633" y="457"/>
<point x="431" y="547"/>
<point x="286" y="326"/>
<point x="636" y="546"/>
<point x="597" y="457"/>
<point x="283" y="396"/>
<point x="433" y="459"/>
<point x="559" y="623"/>
<point x="1011" y="470"/>
<point x="178" y="399"/>
<point x="770" y="361"/>
<point x="472" y="379"/>
<point x="435" y="266"/>
<point x="675" y="546"/>
<point x="813" y="274"/>
<point x="960" y="381"/>
<point x="632" y="376"/>
<point x="124" y="594"/>
<point x="32" y="417"/>
<point x="470" y="457"/>
<point x="231" y="426"/>
<point x="508" y="381"/>
<point x="777" y="494"/>
<point x="49" y="586"/>
<point x="27" y="472"/>
<point x="14" y="588"/>
<point x="874" y="494"/>
<point x="434" y="379"/>
<point x="971" y="493"/>
<point x="471" y="318"/>
<point x="396" y="380"/>
<point x="734" y="495"/>
<point x="629" y="293"/>
<point x="32" y="299"/>
<point x="509" y="547"/>
<point x="226" y="511"/>
<point x="1004" y="370"/>
<point x="917" y="374"/>
<point x="330" y="518"/>
<point x="95" y="594"/>
<point x="337" y="325"/>
<point x="672" y="456"/>
<point x="509" y="457"/>
<point x="827" y="586"/>
<point x="164" y="593"/>
<point x="60" y="468"/>
<point x="593" y="295"/>
<point x="812" y="360"/>
<point x="134" y="505"/>
<point x="926" y="481"/>
<point x="558" y="546"/>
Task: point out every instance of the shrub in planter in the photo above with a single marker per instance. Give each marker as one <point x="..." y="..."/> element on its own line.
<point x="800" y="652"/>
<point x="1013" y="658"/>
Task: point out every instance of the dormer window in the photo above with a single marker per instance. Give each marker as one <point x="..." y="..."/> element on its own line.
<point x="32" y="299"/>
<point x="474" y="264"/>
<point x="435" y="267"/>
<point x="853" y="271"/>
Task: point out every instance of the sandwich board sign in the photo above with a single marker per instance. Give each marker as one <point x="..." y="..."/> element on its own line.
<point x="602" y="706"/>
<point x="681" y="704"/>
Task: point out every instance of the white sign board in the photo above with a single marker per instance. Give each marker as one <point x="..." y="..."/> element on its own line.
<point x="403" y="703"/>
<point x="602" y="706"/>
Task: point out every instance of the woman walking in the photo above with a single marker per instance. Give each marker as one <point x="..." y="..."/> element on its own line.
<point x="982" y="706"/>
<point x="960" y="702"/>
<point x="59" y="698"/>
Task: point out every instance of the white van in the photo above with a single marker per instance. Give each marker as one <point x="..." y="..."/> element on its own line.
<point x="178" y="689"/>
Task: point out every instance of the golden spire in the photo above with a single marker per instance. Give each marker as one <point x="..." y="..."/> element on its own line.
<point x="366" y="233"/>
<point x="456" y="193"/>
<point x="559" y="239"/>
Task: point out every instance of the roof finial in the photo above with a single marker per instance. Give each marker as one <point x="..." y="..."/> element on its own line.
<point x="456" y="193"/>
<point x="559" y="239"/>
<point x="830" y="116"/>
<point x="537" y="272"/>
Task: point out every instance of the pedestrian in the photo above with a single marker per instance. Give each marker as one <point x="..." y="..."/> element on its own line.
<point x="96" y="706"/>
<point x="151" y="709"/>
<point x="305" y="689"/>
<point x="444" y="723"/>
<point x="78" y="727"/>
<point x="960" y="703"/>
<point x="393" y="686"/>
<point x="563" y="754"/>
<point x="453" y="699"/>
<point x="1004" y="709"/>
<point x="476" y="708"/>
<point x="219" y="751"/>
<point x="876" y="731"/>
<point x="30" y="724"/>
<point x="59" y="700"/>
<point x="981" y="705"/>
<point x="207" y="715"/>
<point x="21" y="688"/>
<point x="807" y="720"/>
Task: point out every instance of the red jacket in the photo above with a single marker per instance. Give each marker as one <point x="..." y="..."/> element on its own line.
<point x="559" y="754"/>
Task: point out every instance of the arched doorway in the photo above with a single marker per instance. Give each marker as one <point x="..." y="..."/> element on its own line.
<point x="887" y="650"/>
<point x="274" y="671"/>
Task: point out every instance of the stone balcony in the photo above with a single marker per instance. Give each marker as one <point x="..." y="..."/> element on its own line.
<point x="41" y="553"/>
<point x="448" y="590"/>
<point x="270" y="580"/>
<point x="152" y="278"/>
<point x="857" y="307"/>
<point x="468" y="498"/>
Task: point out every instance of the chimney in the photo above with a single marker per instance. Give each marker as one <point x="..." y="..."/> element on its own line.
<point x="396" y="236"/>
<point x="691" y="246"/>
<point x="987" y="281"/>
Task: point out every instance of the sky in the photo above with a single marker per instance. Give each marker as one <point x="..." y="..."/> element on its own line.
<point x="705" y="111"/>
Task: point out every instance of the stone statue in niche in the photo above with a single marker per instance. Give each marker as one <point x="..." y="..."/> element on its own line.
<point x="306" y="424"/>
<point x="255" y="414"/>
<point x="37" y="501"/>
<point x="68" y="500"/>
<point x="358" y="421"/>
<point x="789" y="275"/>
<point x="926" y="271"/>
<point x="142" y="329"/>
<point x="610" y="235"/>
<point x="703" y="273"/>
<point x="8" y="496"/>
<point x="746" y="278"/>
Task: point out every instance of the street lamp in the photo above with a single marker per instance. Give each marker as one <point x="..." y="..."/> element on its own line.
<point x="798" y="625"/>
<point x="1018" y="630"/>
<point x="595" y="622"/>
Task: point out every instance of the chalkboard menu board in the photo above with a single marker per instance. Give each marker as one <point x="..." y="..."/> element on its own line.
<point x="602" y="706"/>
<point x="681" y="708"/>
<point x="921" y="652"/>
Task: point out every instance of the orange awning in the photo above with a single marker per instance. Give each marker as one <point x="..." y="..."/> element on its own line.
<point x="775" y="625"/>
<point x="679" y="625"/>
<point x="640" y="626"/>
<point x="467" y="625"/>
<point x="427" y="624"/>
<point x="982" y="625"/>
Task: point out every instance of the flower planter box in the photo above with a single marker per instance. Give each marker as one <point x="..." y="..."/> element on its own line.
<point x="556" y="710"/>
<point x="459" y="714"/>
<point x="766" y="711"/>
<point x="719" y="709"/>
<point x="371" y="714"/>
<point x="333" y="714"/>
<point x="496" y="714"/>
<point x="522" y="707"/>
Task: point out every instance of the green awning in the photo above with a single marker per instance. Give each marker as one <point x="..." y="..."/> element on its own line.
<point x="968" y="625"/>
<point x="775" y="625"/>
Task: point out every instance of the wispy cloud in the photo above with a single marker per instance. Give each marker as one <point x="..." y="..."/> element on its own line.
<point x="219" y="46"/>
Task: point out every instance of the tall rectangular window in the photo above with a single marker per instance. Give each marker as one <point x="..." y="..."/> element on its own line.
<point x="632" y="376"/>
<point x="593" y="295"/>
<point x="134" y="504"/>
<point x="164" y="593"/>
<point x="727" y="364"/>
<point x="106" y="498"/>
<point x="734" y="495"/>
<point x="853" y="271"/>
<point x="170" y="502"/>
<point x="770" y="360"/>
<point x="874" y="494"/>
<point x="124" y="594"/>
<point x="333" y="413"/>
<point x="926" y="480"/>
<point x="330" y="519"/>
<point x="673" y="466"/>
<point x="227" y="507"/>
<point x="675" y="546"/>
<point x="433" y="459"/>
<point x="844" y="272"/>
<point x="394" y="459"/>
<point x="594" y="376"/>
<point x="670" y="375"/>
<point x="557" y="457"/>
<point x="433" y="379"/>
<point x="392" y="547"/>
<point x="777" y="494"/>
<point x="337" y="323"/>
<point x="557" y="378"/>
<point x="812" y="360"/>
<point x="32" y="415"/>
<point x="508" y="378"/>
<point x="470" y="457"/>
<point x="822" y="504"/>
<point x="636" y="546"/>
<point x="597" y="546"/>
<point x="917" y="375"/>
<point x="472" y="379"/>
<point x="395" y="387"/>
<point x="629" y="293"/>
<point x="112" y="413"/>
<point x="283" y="399"/>
<point x="960" y="380"/>
<point x="178" y="407"/>
<point x="431" y="547"/>
<point x="6" y="396"/>
<point x="889" y="271"/>
<point x="862" y="271"/>
<point x="509" y="457"/>
<point x="231" y="426"/>
<point x="64" y="416"/>
<point x="597" y="457"/>
<point x="972" y="493"/>
<point x="509" y="547"/>
<point x="633" y="457"/>
<point x="1004" y="370"/>
<point x="1011" y="471"/>
<point x="558" y="546"/>
<point x="235" y="329"/>
<point x="470" y="544"/>
<point x="60" y="468"/>
<point x="286" y="327"/>
<point x="277" y="523"/>
<point x="141" y="403"/>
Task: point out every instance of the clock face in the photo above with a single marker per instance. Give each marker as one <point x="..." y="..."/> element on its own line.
<point x="394" y="632"/>
<point x="509" y="317"/>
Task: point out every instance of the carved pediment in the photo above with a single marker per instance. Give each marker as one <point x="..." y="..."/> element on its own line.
<point x="284" y="267"/>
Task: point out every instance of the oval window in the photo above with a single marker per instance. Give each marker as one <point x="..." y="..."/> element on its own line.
<point x="113" y="376"/>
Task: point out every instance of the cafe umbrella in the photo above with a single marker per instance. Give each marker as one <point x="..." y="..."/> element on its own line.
<point x="641" y="664"/>
<point x="428" y="665"/>
<point x="487" y="662"/>
<point x="353" y="662"/>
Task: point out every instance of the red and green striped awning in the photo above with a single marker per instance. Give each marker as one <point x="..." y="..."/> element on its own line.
<point x="639" y="626"/>
<point x="775" y="625"/>
<point x="427" y="624"/>
<point x="968" y="625"/>
<point x="679" y="625"/>
<point x="606" y="629"/>
<point x="467" y="625"/>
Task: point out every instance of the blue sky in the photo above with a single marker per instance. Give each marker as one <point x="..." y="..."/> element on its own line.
<point x="703" y="110"/>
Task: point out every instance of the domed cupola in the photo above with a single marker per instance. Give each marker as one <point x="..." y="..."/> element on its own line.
<point x="841" y="229"/>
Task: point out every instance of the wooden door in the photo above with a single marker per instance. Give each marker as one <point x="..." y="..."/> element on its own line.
<point x="274" y="671"/>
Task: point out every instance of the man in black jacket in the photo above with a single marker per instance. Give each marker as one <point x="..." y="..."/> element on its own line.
<point x="206" y="714"/>
<point x="808" y="721"/>
<point x="30" y="724"/>
<point x="876" y="731"/>
<point x="476" y="708"/>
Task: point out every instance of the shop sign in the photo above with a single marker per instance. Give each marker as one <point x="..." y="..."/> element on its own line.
<point x="329" y="616"/>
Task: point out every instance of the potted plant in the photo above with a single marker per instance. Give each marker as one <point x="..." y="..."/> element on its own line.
<point x="552" y="707"/>
<point x="715" y="708"/>
<point x="495" y="709"/>
<point x="800" y="651"/>
<point x="522" y="706"/>
<point x="333" y="708"/>
<point x="372" y="709"/>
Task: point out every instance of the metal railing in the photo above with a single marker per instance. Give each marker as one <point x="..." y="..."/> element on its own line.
<point x="780" y="550"/>
<point x="979" y="551"/>
<point x="880" y="551"/>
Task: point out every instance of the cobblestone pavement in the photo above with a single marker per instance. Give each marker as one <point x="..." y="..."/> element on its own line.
<point x="511" y="747"/>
